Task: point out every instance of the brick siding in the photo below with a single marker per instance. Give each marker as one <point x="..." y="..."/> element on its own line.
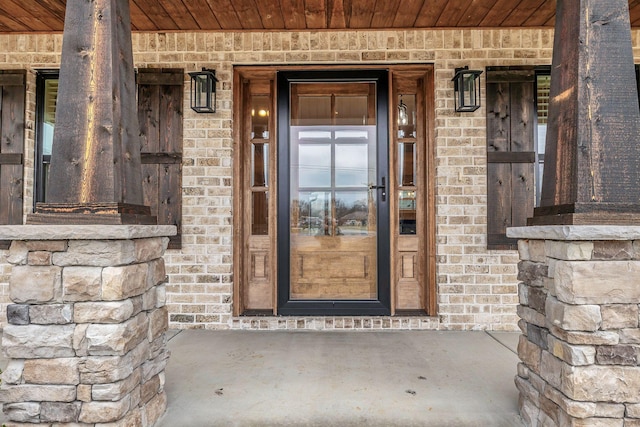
<point x="477" y="288"/>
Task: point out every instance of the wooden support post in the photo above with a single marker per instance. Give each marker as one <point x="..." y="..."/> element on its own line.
<point x="95" y="174"/>
<point x="592" y="164"/>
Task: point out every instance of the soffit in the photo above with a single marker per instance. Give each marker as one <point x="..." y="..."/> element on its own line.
<point x="258" y="15"/>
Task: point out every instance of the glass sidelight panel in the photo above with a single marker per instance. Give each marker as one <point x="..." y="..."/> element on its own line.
<point x="260" y="116"/>
<point x="260" y="213"/>
<point x="407" y="204"/>
<point x="407" y="163"/>
<point x="260" y="165"/>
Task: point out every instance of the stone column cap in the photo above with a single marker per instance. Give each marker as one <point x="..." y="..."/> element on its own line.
<point x="576" y="232"/>
<point x="84" y="232"/>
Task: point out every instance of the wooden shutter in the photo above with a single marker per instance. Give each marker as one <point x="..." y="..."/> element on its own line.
<point x="160" y="111"/>
<point x="511" y="121"/>
<point x="12" y="116"/>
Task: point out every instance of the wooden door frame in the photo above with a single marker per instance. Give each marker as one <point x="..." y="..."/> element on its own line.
<point x="427" y="265"/>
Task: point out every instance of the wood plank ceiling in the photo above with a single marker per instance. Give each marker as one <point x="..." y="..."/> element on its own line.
<point x="195" y="15"/>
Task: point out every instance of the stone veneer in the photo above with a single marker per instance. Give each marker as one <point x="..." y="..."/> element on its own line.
<point x="580" y="347"/>
<point x="86" y="327"/>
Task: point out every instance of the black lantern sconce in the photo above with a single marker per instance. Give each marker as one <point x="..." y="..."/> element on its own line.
<point x="203" y="91"/>
<point x="466" y="88"/>
<point x="403" y="117"/>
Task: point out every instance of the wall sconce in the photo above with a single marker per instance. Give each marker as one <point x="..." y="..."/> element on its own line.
<point x="203" y="91"/>
<point x="403" y="118"/>
<point x="466" y="89"/>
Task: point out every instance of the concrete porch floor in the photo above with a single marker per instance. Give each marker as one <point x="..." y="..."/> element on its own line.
<point x="304" y="378"/>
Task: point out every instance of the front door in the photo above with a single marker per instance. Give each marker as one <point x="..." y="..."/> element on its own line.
<point x="333" y="210"/>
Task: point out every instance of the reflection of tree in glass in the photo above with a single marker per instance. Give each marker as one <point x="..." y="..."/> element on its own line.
<point x="347" y="213"/>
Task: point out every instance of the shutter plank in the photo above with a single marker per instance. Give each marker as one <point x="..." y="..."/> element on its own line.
<point x="498" y="117"/>
<point x="11" y="143"/>
<point x="522" y="117"/>
<point x="522" y="200"/>
<point x="12" y="122"/>
<point x="145" y="77"/>
<point x="509" y="157"/>
<point x="148" y="115"/>
<point x="10" y="158"/>
<point x="160" y="158"/>
<point x="12" y="80"/>
<point x="170" y="192"/>
<point x="499" y="200"/>
<point x="522" y="140"/>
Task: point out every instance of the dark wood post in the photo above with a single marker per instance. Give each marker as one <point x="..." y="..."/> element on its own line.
<point x="592" y="158"/>
<point x="95" y="174"/>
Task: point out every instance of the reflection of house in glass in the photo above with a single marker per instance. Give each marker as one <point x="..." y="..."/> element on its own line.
<point x="407" y="208"/>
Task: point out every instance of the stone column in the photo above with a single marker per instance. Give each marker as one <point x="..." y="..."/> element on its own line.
<point x="86" y="333"/>
<point x="580" y="337"/>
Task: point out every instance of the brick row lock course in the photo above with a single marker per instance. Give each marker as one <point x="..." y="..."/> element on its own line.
<point x="86" y="333"/>
<point x="581" y="339"/>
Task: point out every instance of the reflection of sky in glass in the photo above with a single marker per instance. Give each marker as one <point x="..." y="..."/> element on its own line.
<point x="359" y="134"/>
<point x="47" y="139"/>
<point x="352" y="165"/>
<point x="314" y="165"/>
<point x="348" y="149"/>
<point x="314" y="134"/>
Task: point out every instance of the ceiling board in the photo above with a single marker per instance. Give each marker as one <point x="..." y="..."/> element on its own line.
<point x="406" y="15"/>
<point x="315" y="14"/>
<point x="384" y="12"/>
<point x="211" y="15"/>
<point x="430" y="12"/>
<point x="270" y="13"/>
<point x="476" y="12"/>
<point x="202" y="14"/>
<point x="361" y="13"/>
<point x="454" y="10"/>
<point x="522" y="12"/>
<point x="293" y="11"/>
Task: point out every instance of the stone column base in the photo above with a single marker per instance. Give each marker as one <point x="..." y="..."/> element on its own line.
<point x="579" y="318"/>
<point x="86" y="333"/>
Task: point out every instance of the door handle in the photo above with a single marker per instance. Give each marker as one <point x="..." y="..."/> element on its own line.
<point x="383" y="187"/>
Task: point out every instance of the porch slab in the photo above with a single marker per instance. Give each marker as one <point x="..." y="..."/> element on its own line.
<point x="305" y="378"/>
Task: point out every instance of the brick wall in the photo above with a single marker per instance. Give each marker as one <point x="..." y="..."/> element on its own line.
<point x="477" y="289"/>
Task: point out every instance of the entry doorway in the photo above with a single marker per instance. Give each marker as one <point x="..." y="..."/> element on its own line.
<point x="333" y="211"/>
<point x="334" y="191"/>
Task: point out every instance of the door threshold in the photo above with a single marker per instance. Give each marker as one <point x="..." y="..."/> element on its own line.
<point x="398" y="322"/>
